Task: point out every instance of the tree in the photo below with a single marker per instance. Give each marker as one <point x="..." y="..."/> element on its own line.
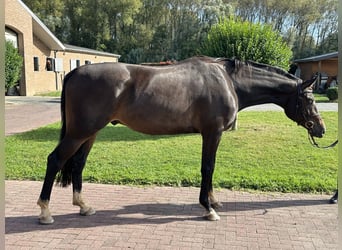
<point x="87" y="24"/>
<point x="247" y="41"/>
<point x="50" y="12"/>
<point x="150" y="30"/>
<point x="13" y="64"/>
<point x="305" y="23"/>
<point x="329" y="44"/>
<point x="123" y="31"/>
<point x="184" y="26"/>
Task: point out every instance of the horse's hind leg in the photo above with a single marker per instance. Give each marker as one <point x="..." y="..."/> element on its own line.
<point x="79" y="160"/>
<point x="56" y="160"/>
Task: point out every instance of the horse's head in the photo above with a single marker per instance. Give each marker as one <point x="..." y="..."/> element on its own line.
<point x="305" y="111"/>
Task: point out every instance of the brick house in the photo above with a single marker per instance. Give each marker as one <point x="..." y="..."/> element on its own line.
<point x="46" y="59"/>
<point x="325" y="65"/>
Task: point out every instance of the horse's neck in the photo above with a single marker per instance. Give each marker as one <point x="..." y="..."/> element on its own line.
<point x="264" y="89"/>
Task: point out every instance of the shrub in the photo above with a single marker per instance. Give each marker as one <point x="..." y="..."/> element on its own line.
<point x="13" y="64"/>
<point x="247" y="41"/>
<point x="332" y="93"/>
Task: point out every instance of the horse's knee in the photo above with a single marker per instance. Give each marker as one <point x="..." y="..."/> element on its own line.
<point x="78" y="201"/>
<point x="45" y="217"/>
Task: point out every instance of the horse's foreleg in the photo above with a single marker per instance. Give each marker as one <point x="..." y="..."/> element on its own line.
<point x="55" y="162"/>
<point x="79" y="160"/>
<point x="207" y="199"/>
<point x="334" y="199"/>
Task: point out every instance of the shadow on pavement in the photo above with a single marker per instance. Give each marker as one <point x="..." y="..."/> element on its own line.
<point x="158" y="213"/>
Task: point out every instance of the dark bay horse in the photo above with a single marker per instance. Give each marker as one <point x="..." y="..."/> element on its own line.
<point x="198" y="95"/>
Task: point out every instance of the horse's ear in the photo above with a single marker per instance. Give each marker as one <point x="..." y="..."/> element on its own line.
<point x="309" y="83"/>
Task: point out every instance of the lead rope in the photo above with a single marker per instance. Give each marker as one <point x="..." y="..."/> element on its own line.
<point x="315" y="144"/>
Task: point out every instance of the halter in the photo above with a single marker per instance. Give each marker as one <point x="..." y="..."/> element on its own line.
<point x="301" y="113"/>
<point x="305" y="121"/>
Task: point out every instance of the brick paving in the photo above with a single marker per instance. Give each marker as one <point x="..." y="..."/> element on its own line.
<point x="168" y="218"/>
<point x="157" y="217"/>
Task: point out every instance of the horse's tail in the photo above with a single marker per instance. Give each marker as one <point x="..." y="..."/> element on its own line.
<point x="63" y="129"/>
<point x="65" y="174"/>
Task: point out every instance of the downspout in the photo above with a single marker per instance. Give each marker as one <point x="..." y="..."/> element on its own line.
<point x="56" y="74"/>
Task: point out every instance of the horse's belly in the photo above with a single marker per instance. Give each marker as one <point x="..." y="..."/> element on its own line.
<point x="162" y="130"/>
<point x="157" y="124"/>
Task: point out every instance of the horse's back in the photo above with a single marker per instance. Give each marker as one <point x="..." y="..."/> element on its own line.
<point x="172" y="99"/>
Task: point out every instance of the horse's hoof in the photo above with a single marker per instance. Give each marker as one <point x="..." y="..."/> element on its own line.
<point x="212" y="215"/>
<point x="46" y="220"/>
<point x="333" y="201"/>
<point x="87" y="211"/>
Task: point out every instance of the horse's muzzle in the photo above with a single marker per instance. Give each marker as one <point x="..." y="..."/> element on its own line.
<point x="316" y="129"/>
<point x="317" y="134"/>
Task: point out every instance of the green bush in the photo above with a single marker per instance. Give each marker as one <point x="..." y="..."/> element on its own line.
<point x="247" y="41"/>
<point x="13" y="64"/>
<point x="332" y="93"/>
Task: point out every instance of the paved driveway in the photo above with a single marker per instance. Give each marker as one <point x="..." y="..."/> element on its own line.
<point x="157" y="217"/>
<point x="168" y="218"/>
<point x="27" y="113"/>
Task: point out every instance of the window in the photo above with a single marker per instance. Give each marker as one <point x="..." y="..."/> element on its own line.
<point x="74" y="63"/>
<point x="50" y="64"/>
<point x="12" y="36"/>
<point x="87" y="62"/>
<point x="36" y="63"/>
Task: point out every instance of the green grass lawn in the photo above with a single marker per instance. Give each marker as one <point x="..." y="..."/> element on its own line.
<point x="268" y="153"/>
<point x="50" y="94"/>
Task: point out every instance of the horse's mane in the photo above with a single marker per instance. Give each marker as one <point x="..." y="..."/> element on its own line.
<point x="235" y="65"/>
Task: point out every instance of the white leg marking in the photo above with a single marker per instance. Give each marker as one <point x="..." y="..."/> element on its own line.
<point x="212" y="215"/>
<point x="78" y="201"/>
<point x="45" y="217"/>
